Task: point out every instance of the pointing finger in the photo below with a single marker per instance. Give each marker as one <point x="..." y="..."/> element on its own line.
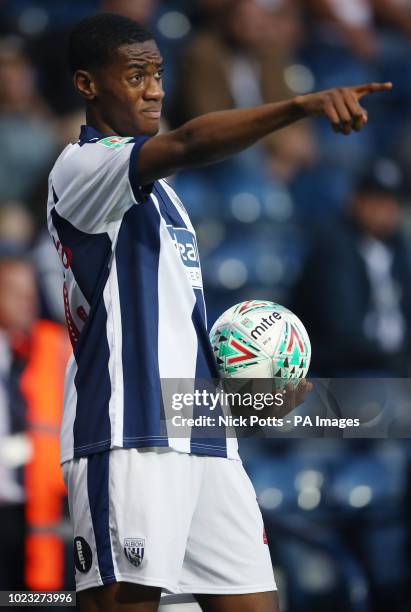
<point x="370" y="88"/>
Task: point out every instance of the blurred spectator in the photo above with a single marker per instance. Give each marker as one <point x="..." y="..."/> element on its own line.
<point x="17" y="227"/>
<point x="358" y="41"/>
<point x="376" y="31"/>
<point x="238" y="63"/>
<point x="394" y="13"/>
<point x="18" y="92"/>
<point x="349" y="22"/>
<point x="354" y="21"/>
<point x="340" y="49"/>
<point x="28" y="144"/>
<point x="16" y="224"/>
<point x="17" y="310"/>
<point x="354" y="294"/>
<point x="42" y="384"/>
<point x="141" y="11"/>
<point x="393" y="18"/>
<point x="33" y="357"/>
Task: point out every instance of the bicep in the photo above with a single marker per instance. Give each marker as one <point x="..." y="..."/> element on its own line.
<point x="161" y="156"/>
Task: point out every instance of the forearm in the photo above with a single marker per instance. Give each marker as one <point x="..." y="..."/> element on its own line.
<point x="214" y="136"/>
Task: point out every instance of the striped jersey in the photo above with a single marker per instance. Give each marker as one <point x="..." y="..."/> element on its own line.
<point x="133" y="298"/>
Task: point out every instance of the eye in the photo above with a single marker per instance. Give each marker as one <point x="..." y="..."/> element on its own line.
<point x="159" y="74"/>
<point x="137" y="78"/>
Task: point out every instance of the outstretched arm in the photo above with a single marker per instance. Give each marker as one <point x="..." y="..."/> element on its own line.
<point x="214" y="136"/>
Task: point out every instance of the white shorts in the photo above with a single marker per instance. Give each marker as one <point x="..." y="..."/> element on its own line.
<point x="185" y="523"/>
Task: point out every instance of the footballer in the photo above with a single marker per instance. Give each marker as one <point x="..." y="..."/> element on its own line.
<point x="151" y="512"/>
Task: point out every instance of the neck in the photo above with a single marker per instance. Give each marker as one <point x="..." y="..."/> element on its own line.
<point x="94" y="120"/>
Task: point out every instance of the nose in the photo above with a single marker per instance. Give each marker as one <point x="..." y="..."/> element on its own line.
<point x="154" y="90"/>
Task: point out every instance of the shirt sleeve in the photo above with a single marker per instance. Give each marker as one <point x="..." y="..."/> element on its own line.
<point x="95" y="183"/>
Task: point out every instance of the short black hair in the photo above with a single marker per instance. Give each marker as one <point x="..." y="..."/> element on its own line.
<point x="94" y="39"/>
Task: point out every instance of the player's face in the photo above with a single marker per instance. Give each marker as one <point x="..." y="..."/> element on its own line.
<point x="129" y="90"/>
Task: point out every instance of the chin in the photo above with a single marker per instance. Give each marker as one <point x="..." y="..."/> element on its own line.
<point x="152" y="130"/>
<point x="141" y="129"/>
<point x="148" y="127"/>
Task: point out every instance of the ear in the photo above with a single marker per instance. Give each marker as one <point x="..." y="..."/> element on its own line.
<point x="85" y="84"/>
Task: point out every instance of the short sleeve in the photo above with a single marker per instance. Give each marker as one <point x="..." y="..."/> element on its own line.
<point x="95" y="183"/>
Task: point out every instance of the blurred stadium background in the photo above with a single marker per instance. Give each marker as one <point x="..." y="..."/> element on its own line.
<point x="307" y="218"/>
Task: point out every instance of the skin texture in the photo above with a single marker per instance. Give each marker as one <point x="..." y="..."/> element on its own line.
<point x="120" y="597"/>
<point x="124" y="97"/>
<point x="124" y="597"/>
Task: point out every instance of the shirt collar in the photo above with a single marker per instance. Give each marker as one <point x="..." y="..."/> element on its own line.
<point x="89" y="134"/>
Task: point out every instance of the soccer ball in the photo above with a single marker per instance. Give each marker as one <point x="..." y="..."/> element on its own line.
<point x="259" y="339"/>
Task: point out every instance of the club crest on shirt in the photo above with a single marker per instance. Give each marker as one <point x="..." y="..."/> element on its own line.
<point x="134" y="550"/>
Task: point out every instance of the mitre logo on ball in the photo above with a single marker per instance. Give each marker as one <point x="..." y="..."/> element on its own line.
<point x="264" y="324"/>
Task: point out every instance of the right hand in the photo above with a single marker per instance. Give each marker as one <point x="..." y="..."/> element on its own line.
<point x="294" y="396"/>
<point x="341" y="106"/>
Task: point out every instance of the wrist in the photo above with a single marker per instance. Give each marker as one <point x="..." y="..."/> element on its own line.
<point x="299" y="106"/>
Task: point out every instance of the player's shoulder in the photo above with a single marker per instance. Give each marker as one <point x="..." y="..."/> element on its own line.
<point x="59" y="171"/>
<point x="91" y="152"/>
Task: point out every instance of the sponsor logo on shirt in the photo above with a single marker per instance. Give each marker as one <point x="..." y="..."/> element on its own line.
<point x="186" y="246"/>
<point x="82" y="555"/>
<point x="115" y="142"/>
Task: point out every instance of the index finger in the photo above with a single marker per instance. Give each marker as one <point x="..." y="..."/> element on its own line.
<point x="370" y="88"/>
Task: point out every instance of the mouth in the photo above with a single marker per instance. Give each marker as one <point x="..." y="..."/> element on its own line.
<point x="152" y="113"/>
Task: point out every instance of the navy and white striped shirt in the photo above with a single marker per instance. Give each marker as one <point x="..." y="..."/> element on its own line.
<point x="133" y="299"/>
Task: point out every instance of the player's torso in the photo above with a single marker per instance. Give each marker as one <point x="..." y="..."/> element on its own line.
<point x="152" y="244"/>
<point x="136" y="316"/>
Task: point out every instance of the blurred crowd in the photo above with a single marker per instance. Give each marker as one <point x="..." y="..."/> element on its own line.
<point x="306" y="218"/>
